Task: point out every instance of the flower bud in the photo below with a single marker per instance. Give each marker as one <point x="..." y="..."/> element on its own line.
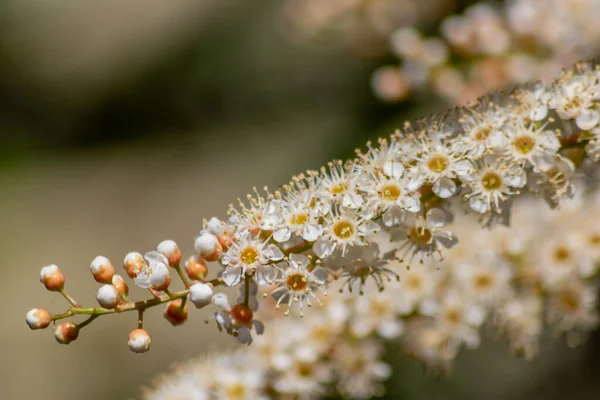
<point x="225" y="241"/>
<point x="133" y="264"/>
<point x="201" y="294"/>
<point x="170" y="250"/>
<point x="139" y="341"/>
<point x="207" y="246"/>
<point x="107" y="296"/>
<point x="52" y="278"/>
<point x="120" y="284"/>
<point x="102" y="269"/>
<point x="241" y="315"/>
<point x="38" y="318"/>
<point x="176" y="314"/>
<point x="196" y="268"/>
<point x="66" y="332"/>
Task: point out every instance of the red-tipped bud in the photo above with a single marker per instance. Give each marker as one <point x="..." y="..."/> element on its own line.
<point x="241" y="315"/>
<point x="107" y="296"/>
<point x="38" y="318"/>
<point x="207" y="246"/>
<point x="102" y="269"/>
<point x="120" y="284"/>
<point x="176" y="314"/>
<point x="164" y="285"/>
<point x="133" y="264"/>
<point x="52" y="278"/>
<point x="66" y="332"/>
<point x="225" y="241"/>
<point x="170" y="250"/>
<point x="139" y="341"/>
<point x="196" y="268"/>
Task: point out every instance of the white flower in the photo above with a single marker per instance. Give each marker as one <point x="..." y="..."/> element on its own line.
<point x="575" y="97"/>
<point x="526" y="144"/>
<point x="438" y="165"/>
<point x="574" y="306"/>
<point x="154" y="273"/>
<point x="343" y="229"/>
<point x="300" y="219"/>
<point x="389" y="196"/>
<point x="377" y="311"/>
<point x="492" y="183"/>
<point x="337" y="186"/>
<point x="250" y="255"/>
<point x="298" y="283"/>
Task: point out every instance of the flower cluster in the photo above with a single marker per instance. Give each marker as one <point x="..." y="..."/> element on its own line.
<point x="322" y="226"/>
<point x="490" y="47"/>
<point x="542" y="272"/>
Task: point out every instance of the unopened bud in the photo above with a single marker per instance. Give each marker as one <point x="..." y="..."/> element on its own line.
<point x="38" y="318"/>
<point x="207" y="246"/>
<point x="196" y="268"/>
<point x="133" y="264"/>
<point x="241" y="315"/>
<point x="139" y="341"/>
<point x="176" y="314"/>
<point x="170" y="250"/>
<point x="120" y="284"/>
<point x="52" y="278"/>
<point x="66" y="332"/>
<point x="102" y="269"/>
<point x="225" y="241"/>
<point x="201" y="294"/>
<point x="107" y="296"/>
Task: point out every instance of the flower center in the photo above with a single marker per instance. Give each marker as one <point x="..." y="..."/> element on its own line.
<point x="491" y="181"/>
<point x="249" y="255"/>
<point x="482" y="133"/>
<point x="561" y="254"/>
<point x="296" y="282"/>
<point x="299" y="219"/>
<point x="595" y="240"/>
<point x="483" y="281"/>
<point x="524" y="144"/>
<point x="389" y="192"/>
<point x="569" y="302"/>
<point x="453" y="316"/>
<point x="414" y="282"/>
<point x="305" y="370"/>
<point x="339" y="188"/>
<point x="438" y="163"/>
<point x="236" y="391"/>
<point x="343" y="229"/>
<point x="420" y="235"/>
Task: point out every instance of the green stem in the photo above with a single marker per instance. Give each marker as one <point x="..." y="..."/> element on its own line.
<point x="69" y="298"/>
<point x="87" y="321"/>
<point x="182" y="275"/>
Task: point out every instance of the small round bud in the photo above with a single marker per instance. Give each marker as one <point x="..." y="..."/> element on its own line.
<point x="66" y="332"/>
<point x="225" y="241"/>
<point x="176" y="314"/>
<point x="107" y="296"/>
<point x="207" y="246"/>
<point x="139" y="341"/>
<point x="170" y="250"/>
<point x="120" y="284"/>
<point x="38" y="318"/>
<point x="133" y="264"/>
<point x="201" y="294"/>
<point x="196" y="268"/>
<point x="241" y="314"/>
<point x="52" y="278"/>
<point x="102" y="269"/>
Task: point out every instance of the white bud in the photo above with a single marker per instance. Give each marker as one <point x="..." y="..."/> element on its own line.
<point x="171" y="251"/>
<point x="107" y="296"/>
<point x="102" y="269"/>
<point x="38" y="318"/>
<point x="52" y="278"/>
<point x="207" y="246"/>
<point x="201" y="294"/>
<point x="139" y="341"/>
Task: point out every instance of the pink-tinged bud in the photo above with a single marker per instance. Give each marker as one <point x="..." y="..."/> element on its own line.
<point x="102" y="269"/>
<point x="196" y="268"/>
<point x="133" y="264"/>
<point x="225" y="241"/>
<point x="164" y="285"/>
<point x="139" y="341"/>
<point x="207" y="246"/>
<point x="38" y="318"/>
<point x="176" y="314"/>
<point x="170" y="250"/>
<point x="52" y="278"/>
<point x="120" y="284"/>
<point x="66" y="332"/>
<point x="107" y="296"/>
<point x="201" y="294"/>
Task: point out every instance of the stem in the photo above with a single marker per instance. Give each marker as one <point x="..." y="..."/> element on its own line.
<point x="69" y="298"/>
<point x="168" y="292"/>
<point x="183" y="301"/>
<point x="140" y="318"/>
<point x="87" y="321"/>
<point x="182" y="275"/>
<point x="247" y="280"/>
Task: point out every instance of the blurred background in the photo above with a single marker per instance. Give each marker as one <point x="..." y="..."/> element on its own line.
<point x="123" y="123"/>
